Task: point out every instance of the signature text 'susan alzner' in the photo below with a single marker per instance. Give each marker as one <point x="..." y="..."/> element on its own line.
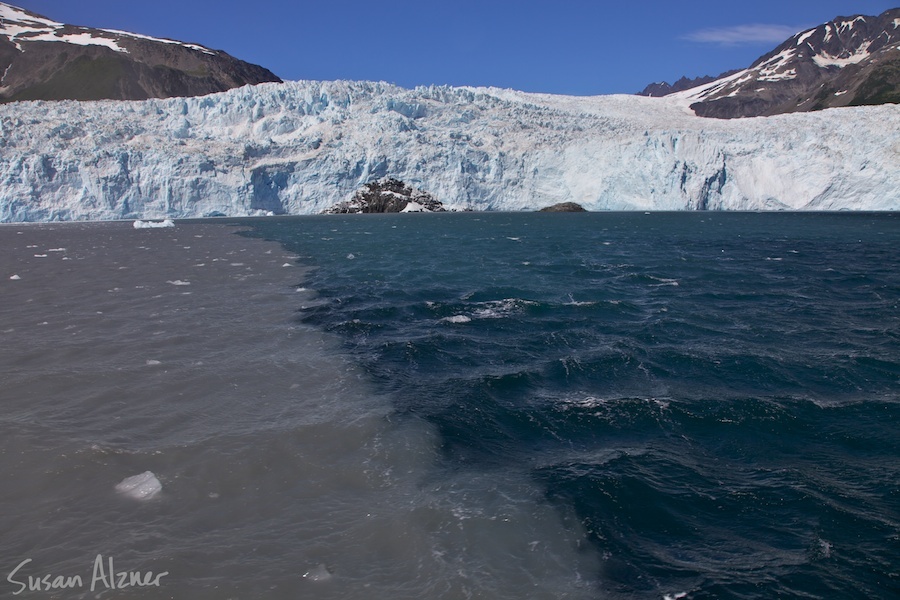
<point x="103" y="576"/>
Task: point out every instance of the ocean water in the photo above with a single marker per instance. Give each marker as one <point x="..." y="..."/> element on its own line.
<point x="609" y="405"/>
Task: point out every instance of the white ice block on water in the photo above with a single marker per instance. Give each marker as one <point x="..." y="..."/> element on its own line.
<point x="138" y="224"/>
<point x="318" y="573"/>
<point x="140" y="487"/>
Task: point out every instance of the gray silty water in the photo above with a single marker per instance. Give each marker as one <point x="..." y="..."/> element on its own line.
<point x="283" y="474"/>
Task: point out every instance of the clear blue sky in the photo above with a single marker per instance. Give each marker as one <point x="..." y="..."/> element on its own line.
<point x="558" y="46"/>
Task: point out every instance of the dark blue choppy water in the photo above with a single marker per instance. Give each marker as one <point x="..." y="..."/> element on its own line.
<point x="710" y="400"/>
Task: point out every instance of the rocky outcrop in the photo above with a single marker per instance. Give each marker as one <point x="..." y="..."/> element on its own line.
<point x="564" y="207"/>
<point x="41" y="59"/>
<point x="387" y="195"/>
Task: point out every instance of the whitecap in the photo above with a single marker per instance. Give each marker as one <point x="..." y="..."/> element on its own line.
<point x="179" y="282"/>
<point x="498" y="309"/>
<point x="663" y="281"/>
<point x="15" y="278"/>
<point x="457" y="319"/>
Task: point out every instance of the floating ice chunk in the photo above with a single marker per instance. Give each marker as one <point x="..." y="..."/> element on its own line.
<point x="138" y="224"/>
<point x="825" y="548"/>
<point x="140" y="487"/>
<point x="319" y="573"/>
<point x="15" y="277"/>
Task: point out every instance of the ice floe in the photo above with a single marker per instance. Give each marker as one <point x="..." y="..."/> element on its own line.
<point x="138" y="224"/>
<point x="140" y="487"/>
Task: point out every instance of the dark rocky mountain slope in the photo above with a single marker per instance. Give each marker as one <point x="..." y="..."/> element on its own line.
<point x="664" y="88"/>
<point x="850" y="61"/>
<point x="41" y="59"/>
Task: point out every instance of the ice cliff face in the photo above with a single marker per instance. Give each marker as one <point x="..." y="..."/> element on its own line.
<point x="301" y="147"/>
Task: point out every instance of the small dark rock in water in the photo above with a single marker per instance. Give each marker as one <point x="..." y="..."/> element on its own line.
<point x="564" y="207"/>
<point x="387" y="195"/>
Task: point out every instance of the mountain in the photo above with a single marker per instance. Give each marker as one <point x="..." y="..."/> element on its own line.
<point x="850" y="61"/>
<point x="302" y="147"/>
<point x="663" y="88"/>
<point x="44" y="60"/>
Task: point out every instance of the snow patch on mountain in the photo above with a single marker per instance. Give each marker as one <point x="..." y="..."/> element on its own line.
<point x="138" y="36"/>
<point x="302" y="147"/>
<point x="823" y="59"/>
<point x="19" y="26"/>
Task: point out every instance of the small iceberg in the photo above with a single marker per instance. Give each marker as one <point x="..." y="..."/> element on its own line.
<point x="319" y="573"/>
<point x="140" y="487"/>
<point x="138" y="224"/>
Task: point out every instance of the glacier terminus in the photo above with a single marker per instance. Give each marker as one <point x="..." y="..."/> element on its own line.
<point x="301" y="147"/>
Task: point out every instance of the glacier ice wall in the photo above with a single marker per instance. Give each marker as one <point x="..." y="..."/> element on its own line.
<point x="300" y="147"/>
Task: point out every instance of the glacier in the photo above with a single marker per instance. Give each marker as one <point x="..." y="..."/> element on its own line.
<point x="301" y="147"/>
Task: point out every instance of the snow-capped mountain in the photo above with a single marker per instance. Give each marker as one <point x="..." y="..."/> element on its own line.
<point x="41" y="59"/>
<point x="850" y="61"/>
<point x="301" y="147"/>
<point x="664" y="88"/>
